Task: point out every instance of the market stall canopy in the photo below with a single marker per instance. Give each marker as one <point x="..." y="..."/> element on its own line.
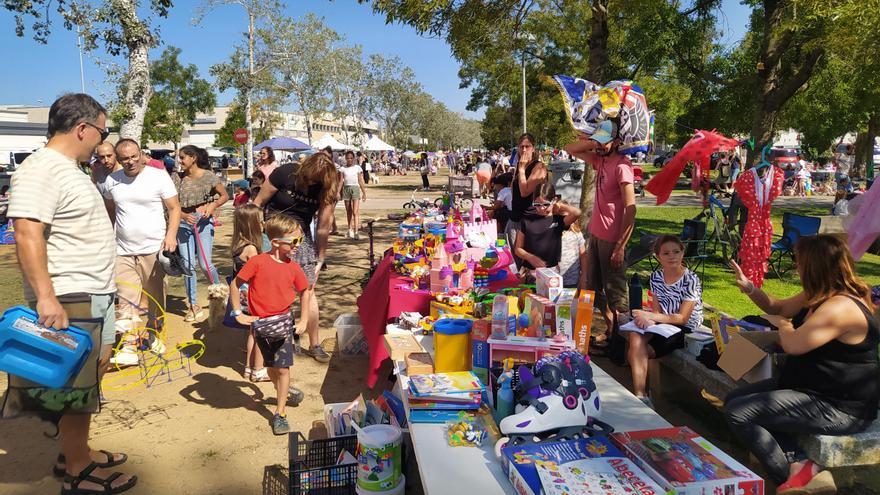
<point x="330" y="141"/>
<point x="283" y="143"/>
<point x="376" y="144"/>
<point x="214" y="152"/>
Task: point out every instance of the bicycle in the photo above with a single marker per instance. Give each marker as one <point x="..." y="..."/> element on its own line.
<point x="720" y="234"/>
<point x="423" y="203"/>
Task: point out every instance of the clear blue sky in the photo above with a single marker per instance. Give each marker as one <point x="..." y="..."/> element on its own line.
<point x="36" y="74"/>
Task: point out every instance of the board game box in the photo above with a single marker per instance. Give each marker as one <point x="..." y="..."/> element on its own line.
<point x="684" y="463"/>
<point x="586" y="466"/>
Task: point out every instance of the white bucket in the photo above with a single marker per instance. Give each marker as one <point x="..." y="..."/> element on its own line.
<point x="379" y="459"/>
<point x="398" y="490"/>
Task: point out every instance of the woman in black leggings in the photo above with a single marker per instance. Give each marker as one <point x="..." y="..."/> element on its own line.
<point x="828" y="383"/>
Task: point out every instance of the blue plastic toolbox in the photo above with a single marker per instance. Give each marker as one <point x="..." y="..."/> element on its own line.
<point x="43" y="355"/>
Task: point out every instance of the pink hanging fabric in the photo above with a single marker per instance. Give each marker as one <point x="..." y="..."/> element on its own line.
<point x="865" y="227"/>
<point x="757" y="194"/>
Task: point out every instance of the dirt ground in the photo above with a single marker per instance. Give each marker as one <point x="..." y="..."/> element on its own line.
<point x="209" y="433"/>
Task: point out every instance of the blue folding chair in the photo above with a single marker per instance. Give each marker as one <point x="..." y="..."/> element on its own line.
<point x="794" y="227"/>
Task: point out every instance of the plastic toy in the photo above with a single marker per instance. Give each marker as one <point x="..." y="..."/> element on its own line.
<point x="559" y="401"/>
<point x="464" y="434"/>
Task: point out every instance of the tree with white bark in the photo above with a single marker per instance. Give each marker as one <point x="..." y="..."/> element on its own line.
<point x="300" y="50"/>
<point x="242" y="72"/>
<point x="113" y="24"/>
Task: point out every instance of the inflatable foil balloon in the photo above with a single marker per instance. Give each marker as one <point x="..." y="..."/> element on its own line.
<point x="589" y="104"/>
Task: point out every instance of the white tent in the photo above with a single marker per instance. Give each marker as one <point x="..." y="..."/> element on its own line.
<point x="329" y="140"/>
<point x="376" y="144"/>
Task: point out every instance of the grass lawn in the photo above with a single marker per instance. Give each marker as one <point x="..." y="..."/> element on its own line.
<point x="719" y="290"/>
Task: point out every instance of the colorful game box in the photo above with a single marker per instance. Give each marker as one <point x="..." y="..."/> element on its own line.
<point x="583" y="466"/>
<point x="685" y="463"/>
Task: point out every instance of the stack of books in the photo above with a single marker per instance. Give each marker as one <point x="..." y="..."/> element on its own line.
<point x="441" y="397"/>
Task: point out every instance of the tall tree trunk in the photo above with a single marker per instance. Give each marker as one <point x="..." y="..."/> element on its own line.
<point x="598" y="68"/>
<point x="248" y="105"/>
<point x="776" y="81"/>
<point x="309" y="129"/>
<point x="862" y="155"/>
<point x="873" y="130"/>
<point x="138" y="90"/>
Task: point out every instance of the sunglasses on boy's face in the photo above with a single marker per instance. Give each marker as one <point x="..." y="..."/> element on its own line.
<point x="542" y="204"/>
<point x="293" y="241"/>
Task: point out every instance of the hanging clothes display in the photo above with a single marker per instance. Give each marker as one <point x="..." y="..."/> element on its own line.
<point x="758" y="193"/>
<point x="699" y="151"/>
<point x="864" y="226"/>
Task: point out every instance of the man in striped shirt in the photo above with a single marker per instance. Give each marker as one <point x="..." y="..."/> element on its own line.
<point x="66" y="250"/>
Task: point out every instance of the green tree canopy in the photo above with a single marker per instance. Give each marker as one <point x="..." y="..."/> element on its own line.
<point x="179" y="94"/>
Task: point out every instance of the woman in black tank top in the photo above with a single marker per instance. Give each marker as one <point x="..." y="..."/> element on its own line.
<point x="829" y="381"/>
<point x="305" y="193"/>
<point x="527" y="176"/>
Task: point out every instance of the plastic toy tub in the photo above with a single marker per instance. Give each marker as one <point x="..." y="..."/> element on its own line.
<point x="452" y="345"/>
<point x="43" y="355"/>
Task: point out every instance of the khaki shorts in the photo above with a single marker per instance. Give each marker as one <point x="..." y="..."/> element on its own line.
<point x="136" y="272"/>
<point x="350" y="193"/>
<point x="608" y="281"/>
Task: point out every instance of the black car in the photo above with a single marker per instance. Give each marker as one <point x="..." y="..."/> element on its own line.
<point x="663" y="158"/>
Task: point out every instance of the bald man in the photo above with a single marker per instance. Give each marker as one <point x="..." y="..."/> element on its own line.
<point x="104" y="165"/>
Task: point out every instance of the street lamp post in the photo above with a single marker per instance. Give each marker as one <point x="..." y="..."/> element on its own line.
<point x="525" y="38"/>
<point x="82" y="78"/>
<point x="525" y="127"/>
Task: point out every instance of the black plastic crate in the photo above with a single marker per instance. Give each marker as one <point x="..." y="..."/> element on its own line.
<point x="313" y="468"/>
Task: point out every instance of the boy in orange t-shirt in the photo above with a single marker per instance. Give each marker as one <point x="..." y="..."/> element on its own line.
<point x="274" y="280"/>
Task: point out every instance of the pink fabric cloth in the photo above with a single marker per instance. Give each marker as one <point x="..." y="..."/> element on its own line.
<point x="754" y="249"/>
<point x="382" y="300"/>
<point x="865" y="227"/>
<point x="607" y="218"/>
<point x="152" y="162"/>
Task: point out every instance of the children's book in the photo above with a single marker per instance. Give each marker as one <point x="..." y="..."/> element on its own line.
<point x="464" y="398"/>
<point x="662" y="329"/>
<point x="457" y="382"/>
<point x="416" y="405"/>
<point x="602" y="476"/>
<point x="582" y="466"/>
<point x="434" y="416"/>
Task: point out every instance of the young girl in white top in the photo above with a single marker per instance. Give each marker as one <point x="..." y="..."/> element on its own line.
<point x="353" y="191"/>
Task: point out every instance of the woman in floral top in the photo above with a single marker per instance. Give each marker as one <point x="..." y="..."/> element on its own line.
<point x="201" y="193"/>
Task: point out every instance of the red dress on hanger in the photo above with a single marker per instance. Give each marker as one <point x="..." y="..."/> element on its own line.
<point x="757" y="194"/>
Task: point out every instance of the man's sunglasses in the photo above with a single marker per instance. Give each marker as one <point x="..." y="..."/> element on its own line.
<point x="293" y="241"/>
<point x="544" y="204"/>
<point x="105" y="133"/>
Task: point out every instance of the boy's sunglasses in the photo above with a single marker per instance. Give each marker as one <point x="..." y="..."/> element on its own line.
<point x="543" y="204"/>
<point x="293" y="241"/>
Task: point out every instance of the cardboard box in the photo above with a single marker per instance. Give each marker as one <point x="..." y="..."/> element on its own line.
<point x="482" y="329"/>
<point x="583" y="320"/>
<point x="399" y="345"/>
<point x="684" y="463"/>
<point x="542" y="316"/>
<point x="748" y="355"/>
<point x="565" y="312"/>
<point x="548" y="283"/>
<point x="419" y="363"/>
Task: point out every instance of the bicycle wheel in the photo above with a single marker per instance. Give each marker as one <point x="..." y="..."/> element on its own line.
<point x="409" y="205"/>
<point x="465" y="204"/>
<point x="439" y="202"/>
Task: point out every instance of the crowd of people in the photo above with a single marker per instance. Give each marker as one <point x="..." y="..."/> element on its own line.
<point x="139" y="222"/>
